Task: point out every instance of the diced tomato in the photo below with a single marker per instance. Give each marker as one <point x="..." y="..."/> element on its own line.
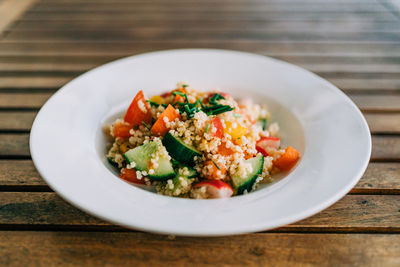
<point x="288" y="159"/>
<point x="223" y="150"/>
<point x="216" y="188"/>
<point x="159" y="127"/>
<point x="213" y="171"/>
<point x="266" y="143"/>
<point x="138" y="111"/>
<point x="262" y="151"/>
<point x="216" y="122"/>
<point x="121" y="129"/>
<point x="130" y="176"/>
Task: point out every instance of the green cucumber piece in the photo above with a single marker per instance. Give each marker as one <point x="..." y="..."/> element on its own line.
<point x="246" y="183"/>
<point x="112" y="163"/>
<point x="142" y="155"/>
<point x="179" y="150"/>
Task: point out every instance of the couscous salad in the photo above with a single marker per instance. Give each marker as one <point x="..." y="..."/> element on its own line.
<point x="193" y="144"/>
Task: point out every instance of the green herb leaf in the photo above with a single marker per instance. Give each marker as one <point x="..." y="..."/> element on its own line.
<point x="154" y="104"/>
<point x="216" y="165"/>
<point x="178" y="93"/>
<point x="207" y="128"/>
<point x="145" y="125"/>
<point x="184" y="85"/>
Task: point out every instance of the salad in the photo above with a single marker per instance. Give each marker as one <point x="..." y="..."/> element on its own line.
<point x="193" y="144"/>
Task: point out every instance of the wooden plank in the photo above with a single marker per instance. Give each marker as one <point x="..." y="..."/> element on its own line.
<point x="201" y="6"/>
<point x="53" y="82"/>
<point x="23" y="101"/>
<point x="141" y="249"/>
<point x="340" y="26"/>
<point x="118" y="49"/>
<point x="194" y="34"/>
<point x="14" y="145"/>
<point x="376" y="102"/>
<point x="14" y="173"/>
<point x="383" y="123"/>
<point x="367" y="213"/>
<point x="16" y="82"/>
<point x="216" y="14"/>
<point x="379" y="178"/>
<point x="296" y="59"/>
<point x="16" y="120"/>
<point x="10" y="10"/>
<point x="389" y="71"/>
<point x="385" y="147"/>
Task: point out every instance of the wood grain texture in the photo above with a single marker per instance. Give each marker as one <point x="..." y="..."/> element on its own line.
<point x="353" y="213"/>
<point x="29" y="48"/>
<point x="379" y="178"/>
<point x="377" y="102"/>
<point x="23" y="100"/>
<point x="15" y="173"/>
<point x="139" y="249"/>
<point x="10" y="10"/>
<point x="383" y="123"/>
<point x="53" y="82"/>
<point x="14" y="145"/>
<point x="16" y="120"/>
<point x="339" y="26"/>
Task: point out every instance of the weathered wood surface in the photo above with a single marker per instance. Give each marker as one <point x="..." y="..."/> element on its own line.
<point x="140" y="249"/>
<point x="355" y="44"/>
<point x="353" y="213"/>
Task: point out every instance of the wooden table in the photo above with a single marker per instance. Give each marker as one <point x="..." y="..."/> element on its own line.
<point x="355" y="44"/>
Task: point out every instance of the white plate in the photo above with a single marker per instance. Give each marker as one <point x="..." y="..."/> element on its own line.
<point x="68" y="148"/>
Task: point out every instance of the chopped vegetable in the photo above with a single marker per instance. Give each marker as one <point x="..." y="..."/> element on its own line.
<point x="138" y="111"/>
<point x="266" y="143"/>
<point x="215" y="188"/>
<point x="157" y="99"/>
<point x="223" y="150"/>
<point x="147" y="126"/>
<point x="235" y="129"/>
<point x="159" y="127"/>
<point x="207" y="128"/>
<point x="214" y="170"/>
<point x="130" y="176"/>
<point x="217" y="124"/>
<point x="122" y="129"/>
<point x="288" y="159"/>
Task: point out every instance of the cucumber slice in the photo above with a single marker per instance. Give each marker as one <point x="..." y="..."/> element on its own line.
<point x="247" y="182"/>
<point x="262" y="123"/>
<point x="179" y="150"/>
<point x="142" y="155"/>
